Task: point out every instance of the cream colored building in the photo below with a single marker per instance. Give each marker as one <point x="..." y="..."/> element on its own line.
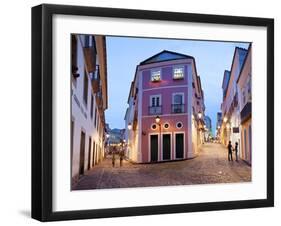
<point x="244" y="83"/>
<point x="230" y="128"/>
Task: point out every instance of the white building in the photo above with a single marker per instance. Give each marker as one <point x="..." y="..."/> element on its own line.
<point x="230" y="128"/>
<point x="88" y="102"/>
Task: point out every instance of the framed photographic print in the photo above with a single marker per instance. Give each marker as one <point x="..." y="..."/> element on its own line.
<point x="145" y="112"/>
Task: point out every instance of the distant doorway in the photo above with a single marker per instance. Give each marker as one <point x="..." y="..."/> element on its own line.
<point x="153" y="148"/>
<point x="82" y="153"/>
<point x="89" y="153"/>
<point x="179" y="145"/>
<point x="166" y="147"/>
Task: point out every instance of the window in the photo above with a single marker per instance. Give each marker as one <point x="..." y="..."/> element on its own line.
<point x="243" y="97"/>
<point x="88" y="40"/>
<point x="249" y="88"/>
<point x="92" y="106"/>
<point x="95" y="121"/>
<point x="178" y="103"/>
<point x="85" y="92"/>
<point x="179" y="125"/>
<point x="166" y="125"/>
<point x="155" y="105"/>
<point x="74" y="63"/>
<point x="155" y="76"/>
<point x="178" y="73"/>
<point x="153" y="126"/>
<point x="155" y="100"/>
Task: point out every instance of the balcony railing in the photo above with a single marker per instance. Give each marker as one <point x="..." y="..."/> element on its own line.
<point x="155" y="110"/>
<point x="177" y="108"/>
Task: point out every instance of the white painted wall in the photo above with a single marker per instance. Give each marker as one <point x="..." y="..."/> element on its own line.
<point x="82" y="123"/>
<point x="15" y="119"/>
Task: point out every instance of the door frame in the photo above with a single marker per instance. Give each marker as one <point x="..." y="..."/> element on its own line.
<point x="85" y="137"/>
<point x="184" y="145"/>
<point x="149" y="150"/>
<point x="171" y="146"/>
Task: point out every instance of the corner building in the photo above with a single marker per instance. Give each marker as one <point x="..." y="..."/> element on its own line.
<point x="164" y="120"/>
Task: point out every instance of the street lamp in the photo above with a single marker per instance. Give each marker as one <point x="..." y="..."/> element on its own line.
<point x="129" y="126"/>
<point x="157" y="120"/>
<point x="199" y="115"/>
<point x="228" y="125"/>
<point x="225" y="119"/>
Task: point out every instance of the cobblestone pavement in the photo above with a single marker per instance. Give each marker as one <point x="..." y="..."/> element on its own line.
<point x="209" y="167"/>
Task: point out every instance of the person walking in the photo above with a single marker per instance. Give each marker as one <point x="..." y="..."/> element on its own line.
<point x="229" y="147"/>
<point x="113" y="156"/>
<point x="121" y="156"/>
<point x="236" y="151"/>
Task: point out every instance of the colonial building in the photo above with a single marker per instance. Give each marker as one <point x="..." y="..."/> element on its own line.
<point x="245" y="107"/>
<point x="164" y="120"/>
<point x="230" y="130"/>
<point x="88" y="101"/>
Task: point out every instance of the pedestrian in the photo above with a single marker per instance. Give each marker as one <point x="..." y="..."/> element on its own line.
<point x="121" y="156"/>
<point x="229" y="147"/>
<point x="236" y="151"/>
<point x="113" y="156"/>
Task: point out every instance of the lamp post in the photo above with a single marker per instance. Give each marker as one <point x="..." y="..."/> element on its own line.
<point x="157" y="120"/>
<point x="129" y="126"/>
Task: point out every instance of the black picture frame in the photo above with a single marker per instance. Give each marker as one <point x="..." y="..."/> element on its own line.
<point x="42" y="111"/>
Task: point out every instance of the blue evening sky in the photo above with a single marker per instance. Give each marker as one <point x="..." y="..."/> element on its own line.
<point x="125" y="53"/>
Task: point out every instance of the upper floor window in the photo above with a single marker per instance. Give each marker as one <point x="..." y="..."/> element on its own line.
<point x="249" y="88"/>
<point x="85" y="91"/>
<point x="178" y="103"/>
<point x="155" y="75"/>
<point x="88" y="40"/>
<point x="155" y="105"/>
<point x="178" y="73"/>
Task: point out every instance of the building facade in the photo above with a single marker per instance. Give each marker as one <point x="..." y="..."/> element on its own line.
<point x="244" y="83"/>
<point x="218" y="125"/>
<point x="164" y="120"/>
<point x="208" y="128"/>
<point x="88" y="102"/>
<point x="230" y="128"/>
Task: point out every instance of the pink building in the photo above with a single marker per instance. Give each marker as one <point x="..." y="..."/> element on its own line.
<point x="164" y="120"/>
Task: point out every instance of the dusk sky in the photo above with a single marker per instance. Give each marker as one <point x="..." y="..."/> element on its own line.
<point x="124" y="54"/>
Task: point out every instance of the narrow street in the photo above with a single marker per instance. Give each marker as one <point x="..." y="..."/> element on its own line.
<point x="211" y="166"/>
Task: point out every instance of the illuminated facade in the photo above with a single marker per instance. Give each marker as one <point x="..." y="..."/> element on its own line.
<point x="164" y="120"/>
<point x="236" y="103"/>
<point x="245" y="107"/>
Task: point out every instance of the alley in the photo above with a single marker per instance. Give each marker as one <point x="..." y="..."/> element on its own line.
<point x="210" y="166"/>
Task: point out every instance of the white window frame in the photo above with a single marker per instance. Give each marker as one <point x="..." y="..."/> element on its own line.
<point x="174" y="94"/>
<point x="178" y="67"/>
<point x="155" y="96"/>
<point x="153" y="71"/>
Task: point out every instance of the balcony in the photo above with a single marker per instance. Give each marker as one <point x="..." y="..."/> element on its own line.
<point x="99" y="100"/>
<point x="155" y="110"/>
<point x="246" y="112"/>
<point x="177" y="108"/>
<point x="90" y="57"/>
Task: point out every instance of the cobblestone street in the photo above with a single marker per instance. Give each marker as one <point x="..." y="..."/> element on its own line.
<point x="211" y="166"/>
